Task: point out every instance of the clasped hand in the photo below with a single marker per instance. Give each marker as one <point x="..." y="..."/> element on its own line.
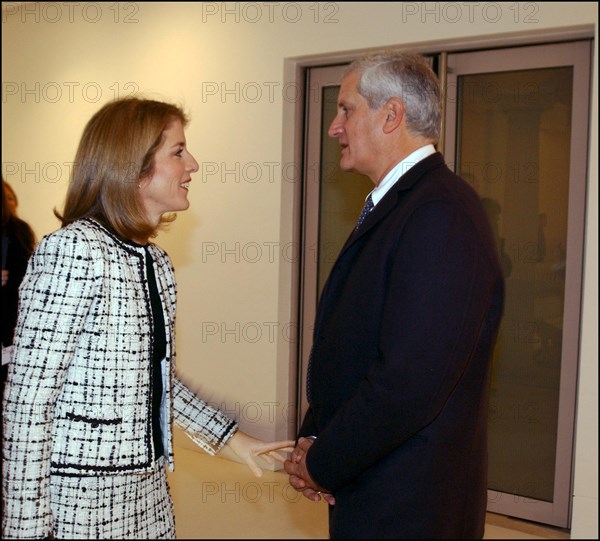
<point x="300" y="479"/>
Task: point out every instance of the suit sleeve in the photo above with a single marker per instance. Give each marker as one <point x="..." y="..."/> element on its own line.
<point x="308" y="427"/>
<point x="53" y="307"/>
<point x="431" y="317"/>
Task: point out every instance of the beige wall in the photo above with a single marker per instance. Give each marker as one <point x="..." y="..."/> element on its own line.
<point x="233" y="251"/>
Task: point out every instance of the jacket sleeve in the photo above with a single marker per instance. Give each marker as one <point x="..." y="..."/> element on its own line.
<point x="206" y="426"/>
<point x="308" y="427"/>
<point x="55" y="298"/>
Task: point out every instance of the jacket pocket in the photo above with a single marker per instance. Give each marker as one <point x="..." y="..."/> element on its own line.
<point x="89" y="439"/>
<point x="93" y="420"/>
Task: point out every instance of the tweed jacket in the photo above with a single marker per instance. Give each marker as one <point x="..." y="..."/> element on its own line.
<point x="78" y="399"/>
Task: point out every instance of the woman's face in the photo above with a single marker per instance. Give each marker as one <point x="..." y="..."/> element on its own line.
<point x="166" y="190"/>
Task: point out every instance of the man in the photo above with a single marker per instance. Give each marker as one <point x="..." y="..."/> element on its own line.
<point x="395" y="439"/>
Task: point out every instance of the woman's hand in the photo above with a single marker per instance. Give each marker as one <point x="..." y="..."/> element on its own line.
<point x="247" y="448"/>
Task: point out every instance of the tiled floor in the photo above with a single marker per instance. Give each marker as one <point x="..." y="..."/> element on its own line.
<point x="218" y="499"/>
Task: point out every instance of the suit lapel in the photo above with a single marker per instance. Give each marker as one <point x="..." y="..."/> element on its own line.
<point x="382" y="209"/>
<point x="390" y="199"/>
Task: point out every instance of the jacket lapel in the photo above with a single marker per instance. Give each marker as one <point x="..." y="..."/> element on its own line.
<point x="390" y="199"/>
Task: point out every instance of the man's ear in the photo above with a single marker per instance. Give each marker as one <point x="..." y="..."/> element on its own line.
<point x="394" y="114"/>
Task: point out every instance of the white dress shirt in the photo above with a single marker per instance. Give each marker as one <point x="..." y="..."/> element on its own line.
<point x="398" y="170"/>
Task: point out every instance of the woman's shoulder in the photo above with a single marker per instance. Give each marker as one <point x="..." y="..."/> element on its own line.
<point x="82" y="237"/>
<point x="79" y="230"/>
<point x="16" y="225"/>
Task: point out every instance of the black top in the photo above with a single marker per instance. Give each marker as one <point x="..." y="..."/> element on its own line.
<point x="159" y="350"/>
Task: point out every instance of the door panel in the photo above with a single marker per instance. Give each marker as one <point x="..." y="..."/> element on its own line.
<point x="332" y="203"/>
<point x="517" y="127"/>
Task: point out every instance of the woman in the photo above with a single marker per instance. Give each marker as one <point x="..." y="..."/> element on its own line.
<point x="18" y="241"/>
<point x="92" y="386"/>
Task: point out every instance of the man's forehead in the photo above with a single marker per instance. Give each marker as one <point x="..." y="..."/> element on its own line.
<point x="349" y="86"/>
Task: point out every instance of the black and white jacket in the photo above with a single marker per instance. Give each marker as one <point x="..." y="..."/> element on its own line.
<point x="78" y="399"/>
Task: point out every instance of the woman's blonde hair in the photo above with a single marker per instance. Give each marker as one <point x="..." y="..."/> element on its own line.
<point x="116" y="150"/>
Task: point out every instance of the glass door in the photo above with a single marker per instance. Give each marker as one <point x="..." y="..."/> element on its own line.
<point x="332" y="202"/>
<point x="517" y="131"/>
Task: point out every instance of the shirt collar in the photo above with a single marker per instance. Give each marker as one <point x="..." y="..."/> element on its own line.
<point x="400" y="169"/>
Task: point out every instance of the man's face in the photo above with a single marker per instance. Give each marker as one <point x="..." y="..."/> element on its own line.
<point x="358" y="129"/>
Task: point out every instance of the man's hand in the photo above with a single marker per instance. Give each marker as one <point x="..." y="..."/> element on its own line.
<point x="300" y="479"/>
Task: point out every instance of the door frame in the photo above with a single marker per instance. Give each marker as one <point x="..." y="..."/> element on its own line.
<point x="294" y="126"/>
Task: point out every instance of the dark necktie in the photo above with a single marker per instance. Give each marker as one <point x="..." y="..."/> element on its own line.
<point x="366" y="209"/>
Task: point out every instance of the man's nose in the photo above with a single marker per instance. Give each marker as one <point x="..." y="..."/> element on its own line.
<point x="335" y="129"/>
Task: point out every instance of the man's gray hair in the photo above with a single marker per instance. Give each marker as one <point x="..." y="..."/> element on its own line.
<point x="407" y="76"/>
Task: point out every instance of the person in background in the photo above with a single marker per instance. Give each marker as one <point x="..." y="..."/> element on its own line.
<point x="18" y="242"/>
<point x="92" y="388"/>
<point x="395" y="438"/>
<point x="494" y="211"/>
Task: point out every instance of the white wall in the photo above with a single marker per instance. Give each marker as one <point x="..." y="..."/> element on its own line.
<point x="224" y="62"/>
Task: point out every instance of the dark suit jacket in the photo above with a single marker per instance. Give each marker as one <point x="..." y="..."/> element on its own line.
<point x="401" y="362"/>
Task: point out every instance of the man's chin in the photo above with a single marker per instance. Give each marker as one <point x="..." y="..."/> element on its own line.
<point x="346" y="167"/>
